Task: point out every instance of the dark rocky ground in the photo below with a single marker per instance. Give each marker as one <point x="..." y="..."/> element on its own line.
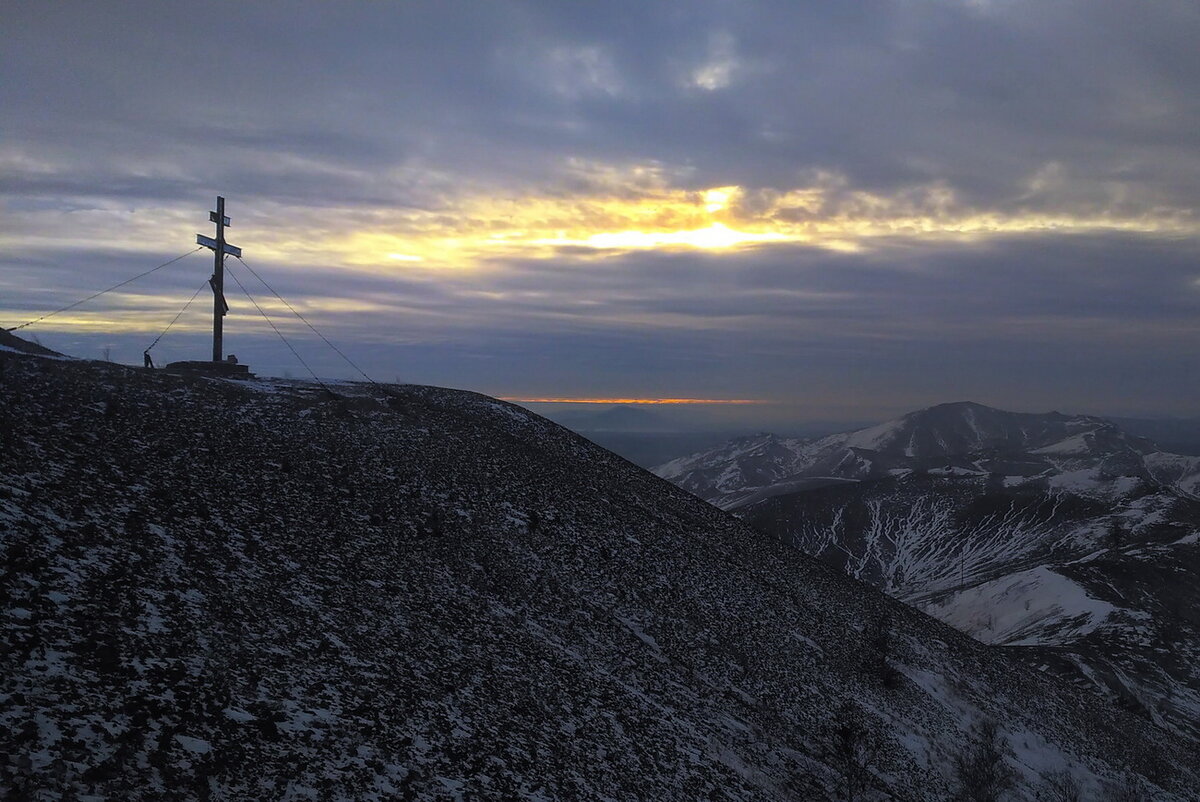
<point x="216" y="590"/>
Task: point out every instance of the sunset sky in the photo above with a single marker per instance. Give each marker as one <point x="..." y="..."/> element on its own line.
<point x="835" y="211"/>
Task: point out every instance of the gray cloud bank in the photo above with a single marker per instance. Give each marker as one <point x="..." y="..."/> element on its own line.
<point x="128" y="118"/>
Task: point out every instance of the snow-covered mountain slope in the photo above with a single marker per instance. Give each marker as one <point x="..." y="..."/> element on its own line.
<point x="1046" y="531"/>
<point x="1080" y="453"/>
<point x="1176" y="470"/>
<point x="1107" y="590"/>
<point x="216" y="590"/>
<point x="984" y="518"/>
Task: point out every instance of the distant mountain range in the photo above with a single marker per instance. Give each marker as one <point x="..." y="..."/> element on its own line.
<point x="277" y="590"/>
<point x="1068" y="452"/>
<point x="643" y="436"/>
<point x="1061" y="534"/>
<point x="618" y="418"/>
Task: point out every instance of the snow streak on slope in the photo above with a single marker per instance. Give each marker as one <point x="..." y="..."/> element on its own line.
<point x="917" y="543"/>
<point x="264" y="591"/>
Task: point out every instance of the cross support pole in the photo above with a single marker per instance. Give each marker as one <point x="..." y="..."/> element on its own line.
<point x="219" y="248"/>
<point x="219" y="281"/>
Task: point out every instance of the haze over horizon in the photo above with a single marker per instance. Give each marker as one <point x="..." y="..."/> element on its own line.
<point x="836" y="213"/>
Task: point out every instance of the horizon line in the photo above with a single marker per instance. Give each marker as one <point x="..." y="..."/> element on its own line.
<point x="520" y="400"/>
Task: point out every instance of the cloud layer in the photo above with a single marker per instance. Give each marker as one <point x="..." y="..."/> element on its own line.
<point x="867" y="208"/>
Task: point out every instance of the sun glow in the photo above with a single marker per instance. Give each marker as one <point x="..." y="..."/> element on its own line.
<point x="717" y="236"/>
<point x="604" y="211"/>
<point x="647" y="214"/>
<point x="717" y="199"/>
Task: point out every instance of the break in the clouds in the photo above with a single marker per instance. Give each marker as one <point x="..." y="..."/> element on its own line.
<point x="843" y="210"/>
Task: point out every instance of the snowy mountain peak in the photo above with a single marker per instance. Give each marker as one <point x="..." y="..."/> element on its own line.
<point x="960" y="437"/>
<point x="966" y="427"/>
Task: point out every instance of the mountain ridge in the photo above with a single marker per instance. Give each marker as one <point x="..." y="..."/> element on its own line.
<point x="958" y="436"/>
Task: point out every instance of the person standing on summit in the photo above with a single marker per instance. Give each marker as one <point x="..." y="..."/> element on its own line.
<point x="147" y="362"/>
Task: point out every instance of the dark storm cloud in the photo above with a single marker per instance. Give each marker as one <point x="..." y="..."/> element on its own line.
<point x="303" y="109"/>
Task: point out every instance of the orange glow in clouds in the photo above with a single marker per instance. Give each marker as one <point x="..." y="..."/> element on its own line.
<point x="625" y="212"/>
<point x="631" y="400"/>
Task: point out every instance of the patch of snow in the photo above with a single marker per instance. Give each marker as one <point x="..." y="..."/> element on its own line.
<point x="1085" y="481"/>
<point x="195" y="745"/>
<point x="874" y="437"/>
<point x="1076" y="445"/>
<point x="641" y="635"/>
<point x="1028" y="608"/>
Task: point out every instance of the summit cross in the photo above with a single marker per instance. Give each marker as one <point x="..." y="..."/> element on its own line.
<point x="219" y="248"/>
